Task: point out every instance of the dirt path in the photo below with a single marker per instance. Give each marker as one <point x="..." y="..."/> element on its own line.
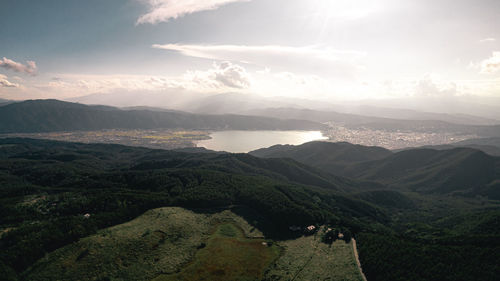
<point x="315" y="246"/>
<point x="355" y="248"/>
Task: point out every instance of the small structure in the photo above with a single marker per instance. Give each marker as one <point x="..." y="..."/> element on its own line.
<point x="87" y="215"/>
<point x="341" y="236"/>
<point x="311" y="228"/>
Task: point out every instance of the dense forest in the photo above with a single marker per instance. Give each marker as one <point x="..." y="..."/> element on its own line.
<point x="54" y="193"/>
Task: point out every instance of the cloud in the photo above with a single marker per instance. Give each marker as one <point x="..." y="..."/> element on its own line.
<point x="487" y="40"/>
<point x="164" y="10"/>
<point x="428" y="87"/>
<point x="6" y="83"/>
<point x="298" y="59"/>
<point x="491" y="65"/>
<point x="29" y="68"/>
<point x="221" y="75"/>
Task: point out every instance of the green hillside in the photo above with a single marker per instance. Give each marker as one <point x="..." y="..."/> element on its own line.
<point x="328" y="156"/>
<point x="464" y="171"/>
<point x="418" y="218"/>
<point x="459" y="170"/>
<point x="159" y="244"/>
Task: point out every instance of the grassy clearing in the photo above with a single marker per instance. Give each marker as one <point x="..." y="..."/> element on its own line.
<point x="170" y="244"/>
<point x="161" y="241"/>
<point x="228" y="255"/>
<point x="308" y="259"/>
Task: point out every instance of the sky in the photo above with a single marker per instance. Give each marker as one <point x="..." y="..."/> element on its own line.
<point x="340" y="50"/>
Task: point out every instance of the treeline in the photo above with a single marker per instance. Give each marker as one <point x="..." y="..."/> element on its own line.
<point x="395" y="258"/>
<point x="48" y="187"/>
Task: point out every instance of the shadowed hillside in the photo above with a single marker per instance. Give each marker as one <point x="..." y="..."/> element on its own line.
<point x="463" y="171"/>
<point x="324" y="155"/>
<point x="53" y="115"/>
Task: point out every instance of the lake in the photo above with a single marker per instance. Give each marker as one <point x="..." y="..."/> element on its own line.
<point x="245" y="141"/>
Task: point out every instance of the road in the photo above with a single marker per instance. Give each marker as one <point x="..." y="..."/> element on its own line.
<point x="355" y="248"/>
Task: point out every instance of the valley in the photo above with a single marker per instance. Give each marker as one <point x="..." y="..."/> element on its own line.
<point x="99" y="202"/>
<point x="158" y="138"/>
<point x="249" y="140"/>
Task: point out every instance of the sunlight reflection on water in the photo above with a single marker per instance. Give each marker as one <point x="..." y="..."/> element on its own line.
<point x="245" y="141"/>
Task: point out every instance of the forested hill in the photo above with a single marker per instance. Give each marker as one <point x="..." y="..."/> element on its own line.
<point x="53" y="115"/>
<point x="116" y="183"/>
<point x="48" y="187"/>
<point x="465" y="171"/>
<point x="328" y="156"/>
<point x="459" y="170"/>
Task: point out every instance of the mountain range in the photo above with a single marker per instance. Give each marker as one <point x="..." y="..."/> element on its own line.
<point x="250" y="104"/>
<point x="459" y="170"/>
<point x="53" y="115"/>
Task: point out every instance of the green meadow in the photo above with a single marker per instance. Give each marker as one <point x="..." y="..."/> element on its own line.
<point x="170" y="244"/>
<point x="307" y="259"/>
<point x="228" y="255"/>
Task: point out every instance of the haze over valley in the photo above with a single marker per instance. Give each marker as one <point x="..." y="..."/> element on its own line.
<point x="267" y="140"/>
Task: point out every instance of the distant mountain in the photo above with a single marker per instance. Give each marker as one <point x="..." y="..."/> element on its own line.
<point x="313" y="115"/>
<point x="328" y="156"/>
<point x="367" y="114"/>
<point x="226" y="103"/>
<point x="354" y="121"/>
<point x="480" y="141"/>
<point x="251" y="104"/>
<point x="463" y="171"/>
<point x="489" y="146"/>
<point x="408" y="114"/>
<point x="53" y="115"/>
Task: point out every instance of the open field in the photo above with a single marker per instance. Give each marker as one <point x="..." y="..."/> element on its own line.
<point x="172" y="243"/>
<point x="228" y="255"/>
<point x="308" y="259"/>
<point x="159" y="242"/>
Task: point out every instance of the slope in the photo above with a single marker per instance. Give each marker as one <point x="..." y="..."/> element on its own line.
<point x="328" y="156"/>
<point x="461" y="170"/>
<point x="54" y="115"/>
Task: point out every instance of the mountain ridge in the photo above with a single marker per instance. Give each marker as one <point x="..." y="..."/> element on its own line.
<point x="54" y="115"/>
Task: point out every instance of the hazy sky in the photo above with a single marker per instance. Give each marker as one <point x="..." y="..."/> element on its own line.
<point x="316" y="49"/>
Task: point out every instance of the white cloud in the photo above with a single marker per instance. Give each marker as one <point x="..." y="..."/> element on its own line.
<point x="297" y="59"/>
<point x="29" y="68"/>
<point x="221" y="76"/>
<point x="491" y="65"/>
<point x="487" y="40"/>
<point x="6" y="83"/>
<point x="164" y="10"/>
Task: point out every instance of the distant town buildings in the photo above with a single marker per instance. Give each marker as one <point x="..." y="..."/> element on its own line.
<point x="389" y="139"/>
